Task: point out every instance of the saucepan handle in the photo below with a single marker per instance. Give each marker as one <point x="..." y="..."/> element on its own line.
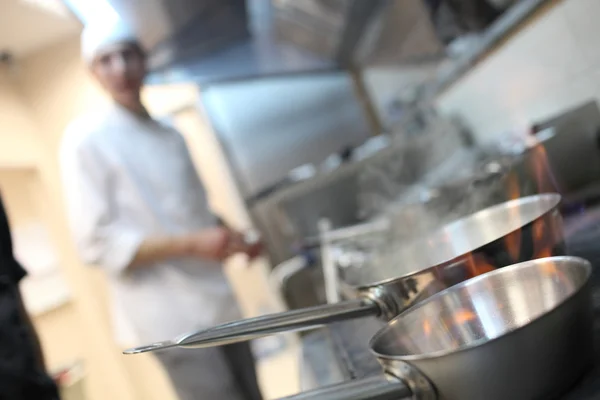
<point x="374" y="388"/>
<point x="252" y="328"/>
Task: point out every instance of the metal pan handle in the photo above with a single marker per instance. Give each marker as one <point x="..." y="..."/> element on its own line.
<point x="373" y="388"/>
<point x="252" y="328"/>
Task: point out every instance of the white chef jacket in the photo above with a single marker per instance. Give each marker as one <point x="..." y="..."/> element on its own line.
<point x="127" y="178"/>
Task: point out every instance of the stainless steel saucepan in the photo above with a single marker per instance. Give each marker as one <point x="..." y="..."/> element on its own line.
<point x="522" y="332"/>
<point x="514" y="231"/>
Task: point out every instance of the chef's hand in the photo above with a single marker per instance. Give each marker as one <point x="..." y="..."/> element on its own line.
<point x="211" y="243"/>
<point x="216" y="244"/>
<point x="247" y="244"/>
<point x="254" y="250"/>
<point x="220" y="242"/>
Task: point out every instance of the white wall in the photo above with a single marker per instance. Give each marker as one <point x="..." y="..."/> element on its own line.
<point x="553" y="63"/>
<point x="18" y="145"/>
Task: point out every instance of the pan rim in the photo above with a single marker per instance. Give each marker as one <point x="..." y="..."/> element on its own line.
<point x="578" y="261"/>
<point x="554" y="200"/>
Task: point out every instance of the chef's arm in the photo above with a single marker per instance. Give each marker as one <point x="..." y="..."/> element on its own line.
<point x="118" y="248"/>
<point x="104" y="237"/>
<point x="211" y="243"/>
<point x="156" y="249"/>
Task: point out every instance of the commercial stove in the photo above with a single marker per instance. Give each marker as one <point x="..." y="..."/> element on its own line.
<point x="340" y="351"/>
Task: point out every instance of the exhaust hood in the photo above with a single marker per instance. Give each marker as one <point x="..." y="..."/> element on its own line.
<point x="215" y="40"/>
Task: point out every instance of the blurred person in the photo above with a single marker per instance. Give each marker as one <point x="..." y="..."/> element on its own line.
<point x="22" y="370"/>
<point x="138" y="210"/>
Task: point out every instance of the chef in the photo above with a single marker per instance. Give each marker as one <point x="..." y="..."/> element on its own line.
<point x="138" y="210"/>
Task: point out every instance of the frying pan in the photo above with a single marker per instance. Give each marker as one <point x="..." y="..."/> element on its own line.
<point x="510" y="232"/>
<point x="523" y="332"/>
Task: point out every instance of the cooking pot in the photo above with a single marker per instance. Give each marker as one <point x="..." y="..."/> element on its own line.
<point x="514" y="231"/>
<point x="522" y="332"/>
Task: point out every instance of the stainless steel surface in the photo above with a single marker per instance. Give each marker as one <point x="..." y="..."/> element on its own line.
<point x="402" y="34"/>
<point x="375" y="388"/>
<point x="576" y="134"/>
<point x="518" y="230"/>
<point x="348" y="340"/>
<point x="396" y="256"/>
<point x="431" y="157"/>
<point x="209" y="40"/>
<point x="299" y="284"/>
<point x="285" y="271"/>
<point x="212" y="40"/>
<point x="258" y="130"/>
<point x="530" y="335"/>
<point x="291" y="214"/>
<point x="521" y="332"/>
<point x="181" y="29"/>
<point x="263" y="326"/>
<point x="379" y="225"/>
<point x="481" y="309"/>
<point x="330" y="274"/>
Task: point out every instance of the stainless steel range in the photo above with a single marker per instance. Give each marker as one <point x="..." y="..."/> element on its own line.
<point x="340" y="352"/>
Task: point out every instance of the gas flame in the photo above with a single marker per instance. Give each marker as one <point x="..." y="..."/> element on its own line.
<point x="463" y="316"/>
<point x="543" y="241"/>
<point x="427" y="327"/>
<point x="476" y="264"/>
<point x="544" y="180"/>
<point x="542" y="235"/>
<point x="512" y="241"/>
<point x="549" y="269"/>
<point x="542" y="174"/>
<point x="458" y="317"/>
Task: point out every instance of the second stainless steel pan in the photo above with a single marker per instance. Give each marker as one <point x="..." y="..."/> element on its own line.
<point x="524" y="332"/>
<point x="514" y="231"/>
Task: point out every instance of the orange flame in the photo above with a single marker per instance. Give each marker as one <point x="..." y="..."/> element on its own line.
<point x="549" y="269"/>
<point x="477" y="265"/>
<point x="542" y="173"/>
<point x="464" y="316"/>
<point x="542" y="239"/>
<point x="542" y="235"/>
<point x="513" y="187"/>
<point x="513" y="240"/>
<point x="427" y="327"/>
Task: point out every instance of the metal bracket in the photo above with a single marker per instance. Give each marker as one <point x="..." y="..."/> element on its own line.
<point x="420" y="386"/>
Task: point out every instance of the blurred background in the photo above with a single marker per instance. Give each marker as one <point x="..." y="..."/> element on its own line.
<point x="301" y="116"/>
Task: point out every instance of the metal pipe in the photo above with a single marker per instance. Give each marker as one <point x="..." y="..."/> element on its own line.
<point x="373" y="388"/>
<point x="330" y="272"/>
<point x="349" y="232"/>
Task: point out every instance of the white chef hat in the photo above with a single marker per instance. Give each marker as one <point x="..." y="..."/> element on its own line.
<point x="98" y="36"/>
